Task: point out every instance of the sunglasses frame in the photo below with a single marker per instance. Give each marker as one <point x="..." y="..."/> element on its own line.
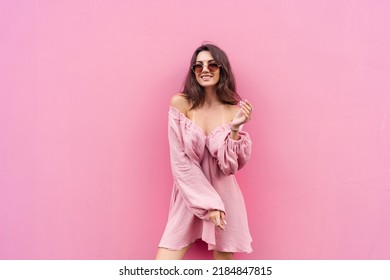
<point x="207" y="65"/>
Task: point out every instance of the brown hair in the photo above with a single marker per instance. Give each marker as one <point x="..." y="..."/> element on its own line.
<point x="226" y="87"/>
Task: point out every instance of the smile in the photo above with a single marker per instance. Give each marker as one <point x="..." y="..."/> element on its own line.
<point x="206" y="77"/>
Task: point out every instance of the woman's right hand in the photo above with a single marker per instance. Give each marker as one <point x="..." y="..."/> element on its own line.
<point x="217" y="217"/>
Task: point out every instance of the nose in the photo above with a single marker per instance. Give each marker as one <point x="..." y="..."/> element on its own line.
<point x="205" y="66"/>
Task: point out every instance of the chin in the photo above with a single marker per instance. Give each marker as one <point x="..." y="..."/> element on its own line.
<point x="212" y="84"/>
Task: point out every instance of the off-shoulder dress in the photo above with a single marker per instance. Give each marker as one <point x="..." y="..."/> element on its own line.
<point x="203" y="168"/>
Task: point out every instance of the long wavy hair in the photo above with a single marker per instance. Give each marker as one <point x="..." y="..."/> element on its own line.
<point x="226" y="86"/>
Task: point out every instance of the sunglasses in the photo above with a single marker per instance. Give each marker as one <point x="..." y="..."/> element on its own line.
<point x="198" y="68"/>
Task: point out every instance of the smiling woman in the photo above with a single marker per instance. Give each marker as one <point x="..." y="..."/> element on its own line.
<point x="206" y="78"/>
<point x="207" y="147"/>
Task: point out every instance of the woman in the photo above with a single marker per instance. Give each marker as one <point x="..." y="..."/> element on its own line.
<point x="207" y="146"/>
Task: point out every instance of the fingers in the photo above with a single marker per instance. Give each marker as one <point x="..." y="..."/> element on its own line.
<point x="246" y="108"/>
<point x="223" y="218"/>
<point x="249" y="104"/>
<point x="218" y="222"/>
<point x="218" y="218"/>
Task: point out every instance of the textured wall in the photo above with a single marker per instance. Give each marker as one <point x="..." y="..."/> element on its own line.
<point x="84" y="94"/>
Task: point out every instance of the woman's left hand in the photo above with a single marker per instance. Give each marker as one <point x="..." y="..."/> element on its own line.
<point x="217" y="217"/>
<point x="243" y="115"/>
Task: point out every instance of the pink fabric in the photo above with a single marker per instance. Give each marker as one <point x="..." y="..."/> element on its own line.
<point x="203" y="168"/>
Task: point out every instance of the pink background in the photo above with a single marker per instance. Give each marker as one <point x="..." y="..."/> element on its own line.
<point x="84" y="94"/>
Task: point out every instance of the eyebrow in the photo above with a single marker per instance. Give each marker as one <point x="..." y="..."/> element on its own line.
<point x="211" y="60"/>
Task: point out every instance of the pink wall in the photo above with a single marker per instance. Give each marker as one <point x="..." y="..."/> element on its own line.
<point x="84" y="92"/>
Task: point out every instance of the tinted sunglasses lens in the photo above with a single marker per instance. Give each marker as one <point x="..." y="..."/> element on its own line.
<point x="197" y="68"/>
<point x="213" y="67"/>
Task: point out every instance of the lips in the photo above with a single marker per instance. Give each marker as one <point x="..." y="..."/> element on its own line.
<point x="206" y="77"/>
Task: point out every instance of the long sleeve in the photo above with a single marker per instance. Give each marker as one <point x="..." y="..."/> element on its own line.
<point x="199" y="186"/>
<point x="199" y="195"/>
<point x="231" y="154"/>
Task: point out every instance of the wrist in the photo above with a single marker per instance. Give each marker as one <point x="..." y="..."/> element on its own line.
<point x="234" y="128"/>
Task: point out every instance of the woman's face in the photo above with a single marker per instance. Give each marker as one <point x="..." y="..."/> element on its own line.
<point x="206" y="78"/>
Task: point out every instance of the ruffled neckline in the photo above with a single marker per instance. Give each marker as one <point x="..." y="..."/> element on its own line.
<point x="195" y="126"/>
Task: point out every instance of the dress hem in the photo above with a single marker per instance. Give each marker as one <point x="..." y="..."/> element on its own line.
<point x="209" y="249"/>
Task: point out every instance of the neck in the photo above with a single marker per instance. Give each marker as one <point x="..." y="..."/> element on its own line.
<point x="211" y="98"/>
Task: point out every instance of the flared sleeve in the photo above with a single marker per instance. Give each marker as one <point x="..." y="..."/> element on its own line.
<point x="231" y="154"/>
<point x="199" y="195"/>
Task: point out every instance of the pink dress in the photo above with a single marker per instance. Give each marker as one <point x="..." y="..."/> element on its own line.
<point x="203" y="168"/>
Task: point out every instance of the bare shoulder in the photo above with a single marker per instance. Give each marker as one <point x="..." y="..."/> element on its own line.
<point x="179" y="102"/>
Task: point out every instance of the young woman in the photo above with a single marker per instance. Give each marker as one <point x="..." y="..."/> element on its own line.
<point x="207" y="147"/>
